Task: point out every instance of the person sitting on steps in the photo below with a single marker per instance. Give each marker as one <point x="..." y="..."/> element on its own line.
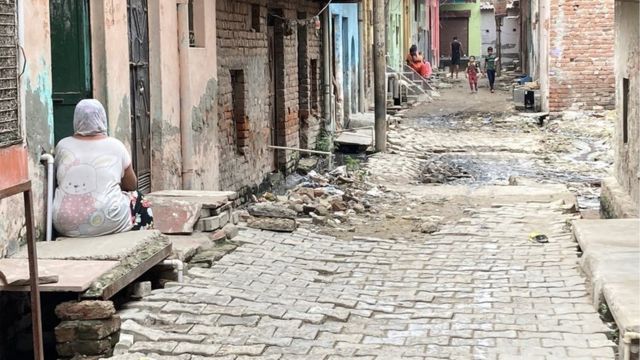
<point x="96" y="185"/>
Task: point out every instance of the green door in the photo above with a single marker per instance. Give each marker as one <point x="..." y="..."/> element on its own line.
<point x="71" y="61"/>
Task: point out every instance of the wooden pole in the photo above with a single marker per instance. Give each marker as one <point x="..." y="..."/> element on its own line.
<point x="379" y="75"/>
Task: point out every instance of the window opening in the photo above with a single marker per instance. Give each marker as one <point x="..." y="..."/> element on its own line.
<point x="196" y="23"/>
<point x="255" y="17"/>
<point x="239" y="119"/>
<point x="314" y="85"/>
<point x="10" y="132"/>
<point x="625" y="110"/>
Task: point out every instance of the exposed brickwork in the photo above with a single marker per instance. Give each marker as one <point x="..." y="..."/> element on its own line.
<point x="581" y="49"/>
<point x="242" y="48"/>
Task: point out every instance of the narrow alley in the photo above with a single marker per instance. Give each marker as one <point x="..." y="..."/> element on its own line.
<point x="475" y="288"/>
<point x="320" y="179"/>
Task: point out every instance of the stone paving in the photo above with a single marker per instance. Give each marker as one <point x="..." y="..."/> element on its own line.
<point x="477" y="289"/>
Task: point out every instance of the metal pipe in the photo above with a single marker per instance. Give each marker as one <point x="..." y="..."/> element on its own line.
<point x="49" y="160"/>
<point x="626" y="339"/>
<point x="361" y="107"/>
<point x="326" y="59"/>
<point x="186" y="141"/>
<point x="396" y="84"/>
<point x="178" y="265"/>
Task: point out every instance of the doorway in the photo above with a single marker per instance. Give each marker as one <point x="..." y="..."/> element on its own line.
<point x="70" y="61"/>
<point x="450" y="27"/>
<point x="275" y="36"/>
<point x="139" y="83"/>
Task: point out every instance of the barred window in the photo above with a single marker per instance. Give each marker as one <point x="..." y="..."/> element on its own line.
<point x="9" y="122"/>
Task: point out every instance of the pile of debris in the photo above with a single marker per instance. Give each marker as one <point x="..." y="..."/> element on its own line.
<point x="329" y="199"/>
<point x="437" y="171"/>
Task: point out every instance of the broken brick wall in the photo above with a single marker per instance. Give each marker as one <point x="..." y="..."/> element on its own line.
<point x="243" y="29"/>
<point x="581" y="48"/>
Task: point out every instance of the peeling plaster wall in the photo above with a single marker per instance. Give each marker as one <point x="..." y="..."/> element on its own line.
<point x="204" y="97"/>
<point x="164" y="72"/>
<point x="395" y="35"/>
<point x="36" y="117"/>
<point x="627" y="65"/>
<point x="347" y="74"/>
<point x="110" y="36"/>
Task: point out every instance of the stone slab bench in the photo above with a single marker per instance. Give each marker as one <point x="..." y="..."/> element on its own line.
<point x="97" y="267"/>
<point x="611" y="260"/>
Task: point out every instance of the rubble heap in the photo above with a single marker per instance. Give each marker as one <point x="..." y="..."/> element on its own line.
<point x="329" y="199"/>
<point x="437" y="171"/>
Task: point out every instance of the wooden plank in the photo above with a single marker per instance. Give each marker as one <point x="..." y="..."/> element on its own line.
<point x="73" y="275"/>
<point x="131" y="275"/>
<point x="15" y="189"/>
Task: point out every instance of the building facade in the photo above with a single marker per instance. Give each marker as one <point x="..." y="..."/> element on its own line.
<point x="509" y="32"/>
<point x="271" y="90"/>
<point x="567" y="46"/>
<point x="197" y="91"/>
<point x="462" y="19"/>
<point x="621" y="194"/>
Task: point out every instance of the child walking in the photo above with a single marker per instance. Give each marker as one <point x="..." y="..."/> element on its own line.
<point x="472" y="74"/>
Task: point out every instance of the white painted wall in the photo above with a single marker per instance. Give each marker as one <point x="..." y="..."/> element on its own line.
<point x="510" y="35"/>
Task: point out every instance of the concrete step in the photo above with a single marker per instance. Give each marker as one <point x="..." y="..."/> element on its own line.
<point x="611" y="261"/>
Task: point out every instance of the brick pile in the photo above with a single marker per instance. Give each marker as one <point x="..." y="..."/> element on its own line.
<point x="88" y="328"/>
<point x="581" y="74"/>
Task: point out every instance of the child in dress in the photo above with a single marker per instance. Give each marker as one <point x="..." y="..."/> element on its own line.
<point x="472" y="74"/>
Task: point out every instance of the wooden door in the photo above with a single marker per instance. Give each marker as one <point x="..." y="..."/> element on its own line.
<point x="450" y="27"/>
<point x="139" y="82"/>
<point x="70" y="61"/>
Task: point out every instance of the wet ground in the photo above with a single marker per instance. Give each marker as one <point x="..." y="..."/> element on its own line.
<point x="464" y="141"/>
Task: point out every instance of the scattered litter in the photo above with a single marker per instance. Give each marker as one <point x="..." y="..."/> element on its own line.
<point x="539" y="238"/>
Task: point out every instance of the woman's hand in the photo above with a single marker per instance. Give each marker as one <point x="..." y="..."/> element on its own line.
<point x="129" y="180"/>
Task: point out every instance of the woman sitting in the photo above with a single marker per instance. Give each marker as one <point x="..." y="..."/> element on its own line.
<point x="93" y="172"/>
<point x="417" y="63"/>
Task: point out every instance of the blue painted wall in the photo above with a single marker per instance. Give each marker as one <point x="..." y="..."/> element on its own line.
<point x="346" y="50"/>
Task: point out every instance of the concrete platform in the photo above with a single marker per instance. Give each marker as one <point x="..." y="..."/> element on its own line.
<point x="73" y="275"/>
<point x="100" y="267"/>
<point x="108" y="247"/>
<point x="611" y="260"/>
<point x="186" y="246"/>
<point x="362" y="137"/>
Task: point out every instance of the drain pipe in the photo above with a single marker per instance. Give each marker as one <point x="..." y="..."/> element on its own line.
<point x="48" y="158"/>
<point x="326" y="59"/>
<point x="178" y="265"/>
<point x="186" y="140"/>
<point x="628" y="337"/>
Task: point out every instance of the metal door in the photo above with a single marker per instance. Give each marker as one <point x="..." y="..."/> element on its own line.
<point x="450" y="27"/>
<point x="70" y="61"/>
<point x="139" y="79"/>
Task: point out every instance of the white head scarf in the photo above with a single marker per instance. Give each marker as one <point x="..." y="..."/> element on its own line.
<point x="89" y="118"/>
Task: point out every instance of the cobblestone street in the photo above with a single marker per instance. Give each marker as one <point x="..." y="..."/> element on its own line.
<point x="475" y="289"/>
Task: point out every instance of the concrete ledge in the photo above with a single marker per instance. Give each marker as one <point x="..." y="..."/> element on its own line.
<point x="108" y="247"/>
<point x="611" y="260"/>
<point x="615" y="203"/>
